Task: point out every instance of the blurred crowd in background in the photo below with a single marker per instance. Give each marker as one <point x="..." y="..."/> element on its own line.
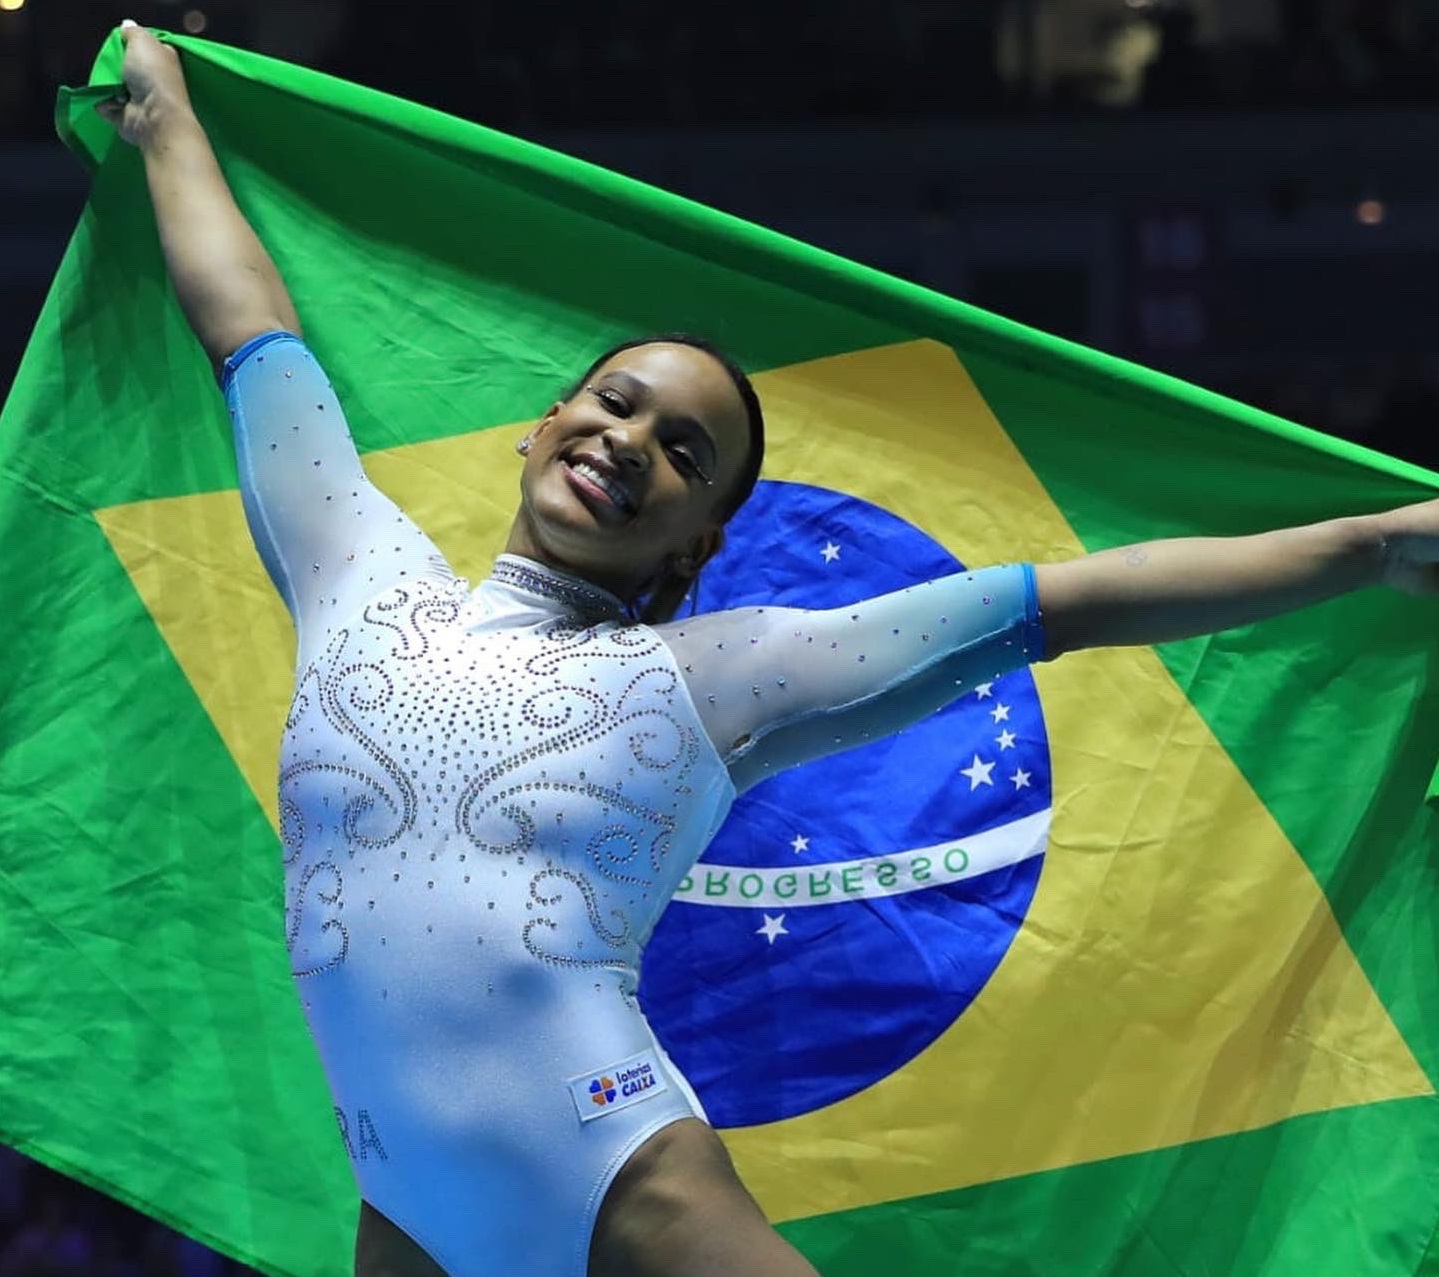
<point x="640" y="62"/>
<point x="754" y="66"/>
<point x="1388" y="404"/>
<point x="575" y="72"/>
<point x="51" y="1226"/>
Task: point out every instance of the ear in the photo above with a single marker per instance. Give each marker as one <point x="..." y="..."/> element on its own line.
<point x="523" y="445"/>
<point x="699" y="552"/>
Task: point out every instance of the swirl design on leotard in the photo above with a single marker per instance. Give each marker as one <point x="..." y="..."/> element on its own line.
<point x="647" y="742"/>
<point x="298" y="705"/>
<point x="579" y="717"/>
<point x="364" y="687"/>
<point x="612" y="940"/>
<point x="501" y="809"/>
<point x="572" y="739"/>
<point x="292" y="828"/>
<point x="414" y="639"/>
<point x="537" y="711"/>
<point x="611" y="642"/>
<point x="311" y="963"/>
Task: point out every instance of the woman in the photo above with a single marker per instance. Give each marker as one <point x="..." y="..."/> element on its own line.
<point x="487" y="796"/>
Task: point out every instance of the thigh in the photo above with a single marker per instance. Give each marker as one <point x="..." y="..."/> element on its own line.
<point x="678" y="1209"/>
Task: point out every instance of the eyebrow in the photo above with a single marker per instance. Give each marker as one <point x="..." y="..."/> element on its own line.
<point x="639" y="387"/>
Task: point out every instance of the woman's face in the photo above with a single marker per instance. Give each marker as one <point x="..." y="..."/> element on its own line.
<point x="629" y="477"/>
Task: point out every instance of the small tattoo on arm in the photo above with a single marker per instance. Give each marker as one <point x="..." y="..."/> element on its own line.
<point x="1136" y="558"/>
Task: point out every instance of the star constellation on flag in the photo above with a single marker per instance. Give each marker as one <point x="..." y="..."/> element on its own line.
<point x="865" y="840"/>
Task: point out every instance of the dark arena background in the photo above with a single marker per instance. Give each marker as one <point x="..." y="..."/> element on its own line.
<point x="1240" y="192"/>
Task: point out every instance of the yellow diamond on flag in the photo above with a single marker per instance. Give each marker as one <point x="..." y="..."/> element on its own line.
<point x="1179" y="974"/>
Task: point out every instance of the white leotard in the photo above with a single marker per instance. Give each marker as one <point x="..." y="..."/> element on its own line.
<point x="488" y="796"/>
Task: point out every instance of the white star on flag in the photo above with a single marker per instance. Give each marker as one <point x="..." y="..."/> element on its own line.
<point x="1005" y="740"/>
<point x="800" y="843"/>
<point x="1000" y="713"/>
<point x="983" y="689"/>
<point x="772" y="927"/>
<point x="978" y="773"/>
<point x="1020" y="779"/>
<point x="831" y="553"/>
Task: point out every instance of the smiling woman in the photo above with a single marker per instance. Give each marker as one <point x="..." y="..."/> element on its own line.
<point x="489" y="794"/>
<point x="660" y="441"/>
<point x="555" y="769"/>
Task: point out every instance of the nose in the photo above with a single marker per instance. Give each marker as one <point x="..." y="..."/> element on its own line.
<point x="628" y="443"/>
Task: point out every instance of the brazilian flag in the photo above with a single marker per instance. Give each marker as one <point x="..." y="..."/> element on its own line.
<point x="1125" y="965"/>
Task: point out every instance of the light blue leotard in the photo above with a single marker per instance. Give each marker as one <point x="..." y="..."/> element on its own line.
<point x="487" y="798"/>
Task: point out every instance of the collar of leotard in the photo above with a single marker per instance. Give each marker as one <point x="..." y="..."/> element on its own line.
<point x="572" y="592"/>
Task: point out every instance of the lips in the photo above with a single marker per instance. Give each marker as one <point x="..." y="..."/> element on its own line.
<point x="597" y="479"/>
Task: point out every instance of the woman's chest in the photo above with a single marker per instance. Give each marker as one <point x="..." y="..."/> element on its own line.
<point x="422" y="722"/>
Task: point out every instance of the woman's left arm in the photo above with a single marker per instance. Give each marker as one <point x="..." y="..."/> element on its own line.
<point x="776" y="686"/>
<point x="1162" y="590"/>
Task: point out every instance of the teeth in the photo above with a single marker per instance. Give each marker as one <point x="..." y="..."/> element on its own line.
<point x="610" y="488"/>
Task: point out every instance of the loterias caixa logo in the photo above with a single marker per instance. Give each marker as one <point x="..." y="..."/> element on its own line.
<point x="602" y="1090"/>
<point x="617" y="1086"/>
<point x="851" y="909"/>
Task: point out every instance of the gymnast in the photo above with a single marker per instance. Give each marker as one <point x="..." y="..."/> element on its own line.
<point x="488" y="794"/>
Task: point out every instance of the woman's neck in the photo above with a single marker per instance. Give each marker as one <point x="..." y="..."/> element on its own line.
<point x="523" y="542"/>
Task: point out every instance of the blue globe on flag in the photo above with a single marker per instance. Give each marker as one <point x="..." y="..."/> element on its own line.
<point x="851" y="909"/>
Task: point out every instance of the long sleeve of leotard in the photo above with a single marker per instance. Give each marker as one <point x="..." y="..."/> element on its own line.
<point x="327" y="536"/>
<point x="776" y="687"/>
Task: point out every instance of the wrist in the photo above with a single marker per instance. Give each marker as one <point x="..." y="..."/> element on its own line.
<point x="163" y="117"/>
<point x="1368" y="539"/>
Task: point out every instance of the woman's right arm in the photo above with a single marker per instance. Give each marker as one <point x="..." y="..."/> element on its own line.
<point x="227" y="285"/>
<point x="328" y="537"/>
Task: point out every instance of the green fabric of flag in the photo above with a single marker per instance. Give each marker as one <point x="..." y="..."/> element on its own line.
<point x="452" y="280"/>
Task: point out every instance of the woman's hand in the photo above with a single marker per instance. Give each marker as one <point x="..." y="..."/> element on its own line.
<point x="1411" y="547"/>
<point x="224" y="279"/>
<point x="154" y="84"/>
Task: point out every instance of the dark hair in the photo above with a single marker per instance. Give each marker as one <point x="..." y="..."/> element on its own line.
<point x="664" y="597"/>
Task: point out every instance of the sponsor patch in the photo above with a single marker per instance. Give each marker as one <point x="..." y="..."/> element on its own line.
<point x="617" y="1086"/>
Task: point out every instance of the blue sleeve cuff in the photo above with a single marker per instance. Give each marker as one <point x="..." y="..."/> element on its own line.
<point x="1033" y="621"/>
<point x="243" y="352"/>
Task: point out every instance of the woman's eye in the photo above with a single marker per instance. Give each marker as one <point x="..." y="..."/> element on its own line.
<point x="687" y="464"/>
<point x="611" y="400"/>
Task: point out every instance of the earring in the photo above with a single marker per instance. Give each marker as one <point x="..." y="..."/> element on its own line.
<point x="523" y="447"/>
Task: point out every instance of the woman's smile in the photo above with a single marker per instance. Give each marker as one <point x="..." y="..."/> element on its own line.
<point x="598" y="484"/>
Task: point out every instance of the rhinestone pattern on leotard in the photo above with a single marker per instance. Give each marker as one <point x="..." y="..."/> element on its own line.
<point x="586" y="600"/>
<point x="506" y="734"/>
